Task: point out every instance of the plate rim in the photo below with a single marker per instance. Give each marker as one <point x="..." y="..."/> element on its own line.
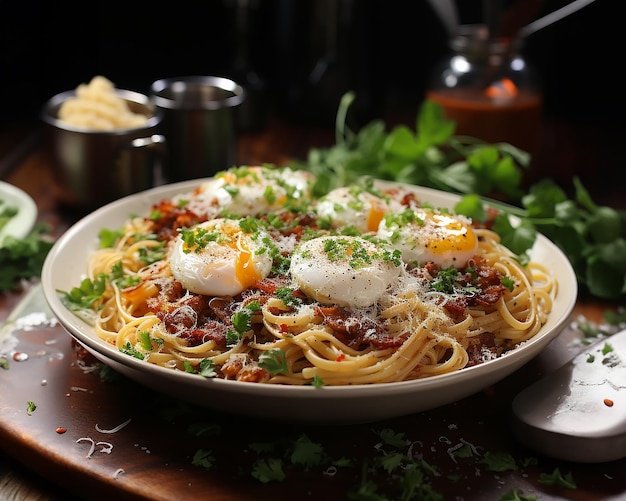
<point x="24" y="221"/>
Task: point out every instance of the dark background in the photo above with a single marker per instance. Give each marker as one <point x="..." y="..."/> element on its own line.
<point x="384" y="50"/>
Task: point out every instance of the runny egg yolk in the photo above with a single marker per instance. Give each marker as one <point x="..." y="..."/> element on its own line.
<point x="446" y="234"/>
<point x="218" y="258"/>
<point x="245" y="271"/>
<point x="376" y="213"/>
<point x="428" y="236"/>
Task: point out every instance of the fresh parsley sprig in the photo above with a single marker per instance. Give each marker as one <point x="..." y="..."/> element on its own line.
<point x="592" y="237"/>
<point x="431" y="155"/>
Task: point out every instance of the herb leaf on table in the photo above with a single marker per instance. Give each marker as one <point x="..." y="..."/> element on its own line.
<point x="23" y="258"/>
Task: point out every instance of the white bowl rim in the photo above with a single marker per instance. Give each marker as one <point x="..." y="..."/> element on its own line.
<point x="515" y="358"/>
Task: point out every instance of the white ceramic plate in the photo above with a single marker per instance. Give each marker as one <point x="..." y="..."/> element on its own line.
<point x="66" y="264"/>
<point x="22" y="223"/>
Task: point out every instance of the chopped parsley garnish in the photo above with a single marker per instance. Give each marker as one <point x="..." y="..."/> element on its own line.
<point x="233" y="191"/>
<point x="89" y="292"/>
<point x="281" y="265"/>
<point x="108" y="237"/>
<point x="508" y="282"/>
<point x="274" y="361"/>
<point x="232" y="338"/>
<point x="285" y="294"/>
<point x="249" y="225"/>
<point x="356" y="253"/>
<point x="275" y="221"/>
<point x="121" y="280"/>
<point x="242" y="322"/>
<point x="402" y="219"/>
<point x="86" y="294"/>
<point x="151" y="255"/>
<point x="206" y="368"/>
<point x="269" y="195"/>
<point x="128" y="349"/>
<point x="30" y="407"/>
<point x="144" y="340"/>
<point x="241" y="319"/>
<point x="197" y="239"/>
<point x="445" y="281"/>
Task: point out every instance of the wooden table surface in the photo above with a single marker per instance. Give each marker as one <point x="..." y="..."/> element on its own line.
<point x="34" y="475"/>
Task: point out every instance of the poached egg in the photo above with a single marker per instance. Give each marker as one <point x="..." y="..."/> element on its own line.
<point x="348" y="271"/>
<point x="219" y="258"/>
<point x="424" y="235"/>
<point x="355" y="206"/>
<point x="252" y="191"/>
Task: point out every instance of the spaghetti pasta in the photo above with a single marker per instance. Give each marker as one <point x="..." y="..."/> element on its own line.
<point x="312" y="296"/>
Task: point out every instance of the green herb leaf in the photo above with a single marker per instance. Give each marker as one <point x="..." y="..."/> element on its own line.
<point x="22" y="259"/>
<point x="268" y="470"/>
<point x="557" y="478"/>
<point x="203" y="458"/>
<point x="30" y="407"/>
<point x="306" y="452"/>
<point x="108" y="238"/>
<point x="499" y="462"/>
<point x="274" y="361"/>
<point x="86" y="294"/>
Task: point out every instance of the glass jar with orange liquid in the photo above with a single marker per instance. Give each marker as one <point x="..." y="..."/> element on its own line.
<point x="488" y="88"/>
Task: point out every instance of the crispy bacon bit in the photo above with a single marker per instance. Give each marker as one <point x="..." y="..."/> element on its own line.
<point x="223" y="308"/>
<point x="242" y="368"/>
<point x="211" y="330"/>
<point x="480" y="348"/>
<point x="171" y="218"/>
<point x="489" y="282"/>
<point x="253" y="374"/>
<point x="409" y="199"/>
<point x="180" y="319"/>
<point x="357" y="330"/>
<point x="270" y="285"/>
<point x="234" y="365"/>
<point x="485" y="282"/>
<point x="456" y="306"/>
